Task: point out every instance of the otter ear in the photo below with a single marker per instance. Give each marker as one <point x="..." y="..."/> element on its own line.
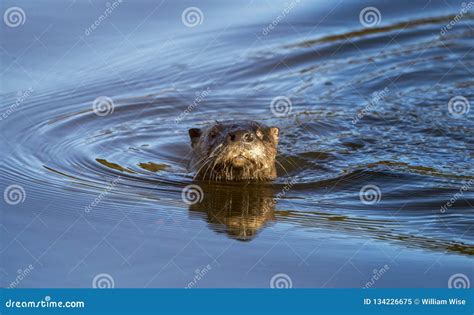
<point x="194" y="134"/>
<point x="274" y="133"/>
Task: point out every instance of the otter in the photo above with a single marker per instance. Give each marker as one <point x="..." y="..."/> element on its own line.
<point x="240" y="150"/>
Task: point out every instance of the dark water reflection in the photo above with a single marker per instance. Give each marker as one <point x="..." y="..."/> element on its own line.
<point x="238" y="212"/>
<point x="369" y="110"/>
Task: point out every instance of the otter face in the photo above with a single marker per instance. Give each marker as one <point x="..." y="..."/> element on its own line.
<point x="234" y="150"/>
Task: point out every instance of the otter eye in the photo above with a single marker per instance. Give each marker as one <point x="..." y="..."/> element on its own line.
<point x="259" y="133"/>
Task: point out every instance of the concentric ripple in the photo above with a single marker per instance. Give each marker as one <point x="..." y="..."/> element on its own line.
<point x="339" y="136"/>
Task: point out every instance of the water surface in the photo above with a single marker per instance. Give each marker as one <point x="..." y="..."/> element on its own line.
<point x="103" y="190"/>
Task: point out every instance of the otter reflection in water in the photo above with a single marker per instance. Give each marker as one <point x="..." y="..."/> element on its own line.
<point x="241" y="211"/>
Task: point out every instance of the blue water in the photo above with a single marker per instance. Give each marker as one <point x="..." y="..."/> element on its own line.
<point x="100" y="192"/>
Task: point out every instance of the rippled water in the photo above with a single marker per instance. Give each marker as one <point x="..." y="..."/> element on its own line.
<point x="368" y="112"/>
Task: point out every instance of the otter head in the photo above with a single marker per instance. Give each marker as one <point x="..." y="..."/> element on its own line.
<point x="234" y="150"/>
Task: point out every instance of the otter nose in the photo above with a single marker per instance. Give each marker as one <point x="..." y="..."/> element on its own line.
<point x="243" y="136"/>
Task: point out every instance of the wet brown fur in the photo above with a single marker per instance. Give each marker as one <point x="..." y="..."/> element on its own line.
<point x="241" y="150"/>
